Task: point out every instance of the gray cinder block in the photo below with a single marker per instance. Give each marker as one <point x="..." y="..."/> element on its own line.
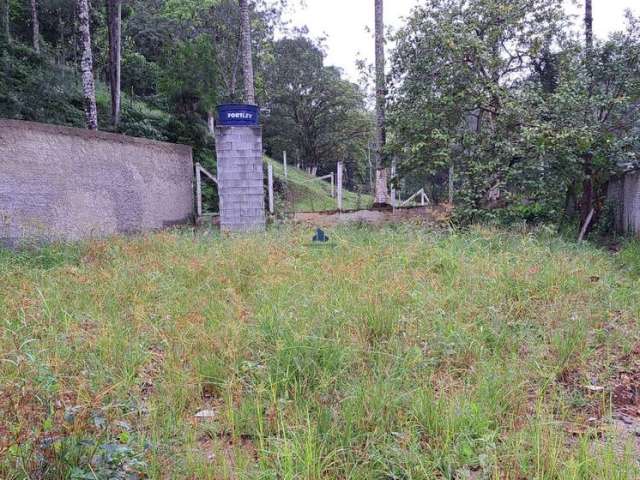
<point x="241" y="177"/>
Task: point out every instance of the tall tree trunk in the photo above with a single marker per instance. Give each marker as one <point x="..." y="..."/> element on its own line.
<point x="114" y="23"/>
<point x="86" y="65"/>
<point x="6" y="22"/>
<point x="61" y="49"/>
<point x="587" y="201"/>
<point x="381" y="196"/>
<point x="247" y="59"/>
<point x="588" y="27"/>
<point x="35" y="25"/>
<point x="234" y="73"/>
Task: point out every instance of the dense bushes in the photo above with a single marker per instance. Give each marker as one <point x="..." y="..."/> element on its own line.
<point x="32" y="89"/>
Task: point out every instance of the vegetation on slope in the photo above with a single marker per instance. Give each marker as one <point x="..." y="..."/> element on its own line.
<point x="302" y="192"/>
<point x="395" y="354"/>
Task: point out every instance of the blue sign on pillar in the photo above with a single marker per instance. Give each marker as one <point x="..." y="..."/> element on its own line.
<point x="233" y="115"/>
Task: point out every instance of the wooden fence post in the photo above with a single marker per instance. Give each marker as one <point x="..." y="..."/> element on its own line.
<point x="284" y="161"/>
<point x="333" y="186"/>
<point x="270" y="175"/>
<point x="339" y="180"/>
<point x="393" y="188"/>
<point x="198" y="191"/>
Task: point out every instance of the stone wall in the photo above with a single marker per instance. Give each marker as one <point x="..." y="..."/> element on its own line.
<point x="624" y="195"/>
<point x="67" y="184"/>
<point x="240" y="178"/>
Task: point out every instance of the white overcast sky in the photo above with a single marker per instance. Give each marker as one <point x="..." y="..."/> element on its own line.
<point x="345" y="23"/>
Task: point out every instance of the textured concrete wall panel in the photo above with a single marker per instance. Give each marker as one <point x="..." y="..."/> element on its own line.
<point x="67" y="184"/>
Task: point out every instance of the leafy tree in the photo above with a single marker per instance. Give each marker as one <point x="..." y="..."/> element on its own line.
<point x="532" y="118"/>
<point x="314" y="112"/>
<point x="464" y="91"/>
<point x="189" y="77"/>
<point x="592" y="118"/>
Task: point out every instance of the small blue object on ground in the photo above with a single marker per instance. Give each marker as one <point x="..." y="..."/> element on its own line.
<point x="320" y="236"/>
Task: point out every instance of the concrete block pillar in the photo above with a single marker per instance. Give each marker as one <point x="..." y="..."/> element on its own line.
<point x="240" y="178"/>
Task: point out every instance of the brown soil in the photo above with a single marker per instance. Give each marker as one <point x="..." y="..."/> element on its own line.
<point x="439" y="214"/>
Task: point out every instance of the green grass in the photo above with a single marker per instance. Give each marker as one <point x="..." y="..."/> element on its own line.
<point x="393" y="354"/>
<point x="301" y="192"/>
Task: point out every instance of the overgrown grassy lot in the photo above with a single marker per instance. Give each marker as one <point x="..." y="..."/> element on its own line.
<point x="391" y="354"/>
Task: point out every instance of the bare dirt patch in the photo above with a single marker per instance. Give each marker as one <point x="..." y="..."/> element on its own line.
<point x="439" y="214"/>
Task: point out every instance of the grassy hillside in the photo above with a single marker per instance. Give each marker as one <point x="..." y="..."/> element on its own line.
<point x="302" y="192"/>
<point x="404" y="354"/>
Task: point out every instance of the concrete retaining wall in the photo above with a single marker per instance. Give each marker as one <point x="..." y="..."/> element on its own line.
<point x="241" y="178"/>
<point x="67" y="184"/>
<point x="624" y="195"/>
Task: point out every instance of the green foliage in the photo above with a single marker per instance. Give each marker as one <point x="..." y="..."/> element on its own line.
<point x="501" y="91"/>
<point x="629" y="258"/>
<point x="139" y="121"/>
<point x="139" y="76"/>
<point x="189" y="77"/>
<point x="30" y="89"/>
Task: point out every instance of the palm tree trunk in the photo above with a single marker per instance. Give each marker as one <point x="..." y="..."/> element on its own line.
<point x="247" y="59"/>
<point x="35" y="25"/>
<point x="381" y="188"/>
<point x="114" y="22"/>
<point x="86" y="65"/>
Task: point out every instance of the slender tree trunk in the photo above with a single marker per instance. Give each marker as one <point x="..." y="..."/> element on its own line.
<point x="35" y="25"/>
<point x="61" y="49"/>
<point x="114" y="22"/>
<point x="587" y="201"/>
<point x="86" y="65"/>
<point x="247" y="59"/>
<point x="588" y="27"/>
<point x="381" y="196"/>
<point x="211" y="123"/>
<point x="451" y="180"/>
<point x="234" y="74"/>
<point x="6" y="21"/>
